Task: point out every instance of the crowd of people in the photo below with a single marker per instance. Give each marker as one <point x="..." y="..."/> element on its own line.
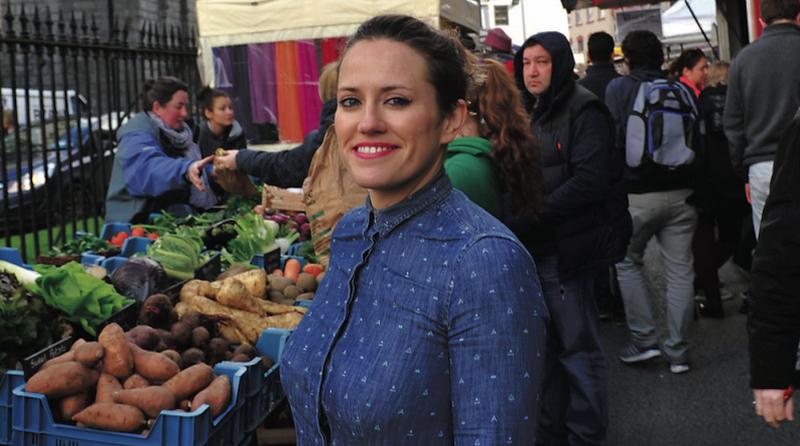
<point x="506" y="200"/>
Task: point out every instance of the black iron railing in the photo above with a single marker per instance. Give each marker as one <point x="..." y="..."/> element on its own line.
<point x="64" y="94"/>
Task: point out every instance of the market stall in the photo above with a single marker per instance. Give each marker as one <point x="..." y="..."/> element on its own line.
<point x="268" y="54"/>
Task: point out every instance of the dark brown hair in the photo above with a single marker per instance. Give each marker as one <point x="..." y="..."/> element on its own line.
<point x="772" y="10"/>
<point x="441" y="54"/>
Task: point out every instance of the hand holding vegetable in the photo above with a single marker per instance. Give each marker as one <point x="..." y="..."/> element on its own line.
<point x="226" y="160"/>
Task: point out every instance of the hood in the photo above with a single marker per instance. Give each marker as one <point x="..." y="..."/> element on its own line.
<point x="471" y="145"/>
<point x="562" y="81"/>
<point x="236" y="130"/>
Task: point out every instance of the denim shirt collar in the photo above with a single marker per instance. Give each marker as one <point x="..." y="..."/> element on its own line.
<point x="386" y="220"/>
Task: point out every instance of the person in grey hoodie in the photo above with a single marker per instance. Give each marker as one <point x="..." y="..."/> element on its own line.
<point x="763" y="94"/>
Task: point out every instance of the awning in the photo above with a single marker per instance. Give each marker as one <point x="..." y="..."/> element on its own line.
<point x="678" y="21"/>
<point x="604" y="4"/>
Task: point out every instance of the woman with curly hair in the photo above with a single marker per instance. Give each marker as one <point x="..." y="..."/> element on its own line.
<point x="493" y="153"/>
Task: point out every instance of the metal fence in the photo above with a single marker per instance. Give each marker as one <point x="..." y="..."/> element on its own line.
<point x="65" y="91"/>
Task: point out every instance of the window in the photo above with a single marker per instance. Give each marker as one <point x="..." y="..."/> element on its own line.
<point x="578" y="19"/>
<point x="601" y="14"/>
<point x="580" y="44"/>
<point x="589" y="15"/>
<point x="501" y="15"/>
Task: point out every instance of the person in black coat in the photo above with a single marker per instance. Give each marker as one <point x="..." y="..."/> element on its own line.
<point x="774" y="320"/>
<point x="219" y="129"/>
<point x="718" y="196"/>
<point x="288" y="168"/>
<point x="601" y="71"/>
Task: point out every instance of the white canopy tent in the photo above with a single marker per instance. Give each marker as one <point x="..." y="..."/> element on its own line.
<point x="678" y="24"/>
<point x="239" y="22"/>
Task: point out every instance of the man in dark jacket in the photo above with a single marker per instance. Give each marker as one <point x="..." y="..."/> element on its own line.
<point x="659" y="210"/>
<point x="601" y="71"/>
<point x="763" y="94"/>
<point x="570" y="240"/>
<point x="775" y="308"/>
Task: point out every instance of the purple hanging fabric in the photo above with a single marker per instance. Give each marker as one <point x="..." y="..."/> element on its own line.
<point x="308" y="70"/>
<point x="223" y="68"/>
<point x="263" y="96"/>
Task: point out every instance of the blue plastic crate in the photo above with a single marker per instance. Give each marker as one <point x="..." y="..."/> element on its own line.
<point x="112" y="263"/>
<point x="33" y="423"/>
<point x="90" y="258"/>
<point x="252" y="383"/>
<point x="111" y="229"/>
<point x="134" y="245"/>
<point x="270" y="344"/>
<point x="11" y="255"/>
<point x="293" y="248"/>
<point x="8" y="382"/>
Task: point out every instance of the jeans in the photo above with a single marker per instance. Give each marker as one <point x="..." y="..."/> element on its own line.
<point x="667" y="217"/>
<point x="574" y="404"/>
<point x="759" y="175"/>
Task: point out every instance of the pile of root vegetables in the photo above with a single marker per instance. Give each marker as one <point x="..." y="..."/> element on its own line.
<point x="113" y="384"/>
<point x="244" y="305"/>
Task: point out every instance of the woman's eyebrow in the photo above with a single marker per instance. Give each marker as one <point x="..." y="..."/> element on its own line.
<point x="383" y="89"/>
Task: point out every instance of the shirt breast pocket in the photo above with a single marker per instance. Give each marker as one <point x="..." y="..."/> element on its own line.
<point x="410" y="295"/>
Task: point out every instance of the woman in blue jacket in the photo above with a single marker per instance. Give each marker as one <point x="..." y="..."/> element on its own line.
<point x="429" y="327"/>
<point x="157" y="164"/>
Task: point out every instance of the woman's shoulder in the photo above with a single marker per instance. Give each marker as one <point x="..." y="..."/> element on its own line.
<point x="471" y="221"/>
<point x="139" y="123"/>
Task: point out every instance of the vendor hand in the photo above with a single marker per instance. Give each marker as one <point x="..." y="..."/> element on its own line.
<point x="227" y="161"/>
<point x="194" y="174"/>
<point x="771" y="405"/>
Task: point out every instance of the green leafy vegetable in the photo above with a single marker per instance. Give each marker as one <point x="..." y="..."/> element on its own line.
<point x="79" y="245"/>
<point x="83" y="298"/>
<point x="255" y="235"/>
<point x="179" y="255"/>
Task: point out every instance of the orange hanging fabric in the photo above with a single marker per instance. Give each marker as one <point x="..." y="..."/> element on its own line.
<point x="290" y="124"/>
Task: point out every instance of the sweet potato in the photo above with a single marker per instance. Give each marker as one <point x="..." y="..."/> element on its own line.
<point x="150" y="400"/>
<point x="190" y="381"/>
<point x="60" y="359"/>
<point x="106" y="386"/>
<point x="135" y="381"/>
<point x="216" y="395"/>
<point x="153" y="366"/>
<point x="61" y="380"/>
<point x="89" y="354"/>
<point x="111" y="416"/>
<point x="72" y="404"/>
<point x="118" y="358"/>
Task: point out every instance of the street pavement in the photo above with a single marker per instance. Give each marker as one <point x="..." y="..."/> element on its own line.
<point x="710" y="405"/>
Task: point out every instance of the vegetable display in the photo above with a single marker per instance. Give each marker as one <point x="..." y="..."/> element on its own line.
<point x="91" y="394"/>
<point x="83" y="298"/>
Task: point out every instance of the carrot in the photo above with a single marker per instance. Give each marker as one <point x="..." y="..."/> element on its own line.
<point x="135" y="381"/>
<point x="111" y="416"/>
<point x="315" y="269"/>
<point x="190" y="381"/>
<point x="63" y="379"/>
<point x="70" y="405"/>
<point x="292" y="269"/>
<point x="150" y="400"/>
<point x="153" y="366"/>
<point x="118" y="358"/>
<point x="89" y="354"/>
<point x="216" y="395"/>
<point x="106" y="386"/>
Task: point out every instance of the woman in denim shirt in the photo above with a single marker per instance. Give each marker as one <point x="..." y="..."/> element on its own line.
<point x="429" y="327"/>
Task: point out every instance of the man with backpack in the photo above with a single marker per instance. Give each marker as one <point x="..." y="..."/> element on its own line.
<point x="582" y="229"/>
<point x="657" y="131"/>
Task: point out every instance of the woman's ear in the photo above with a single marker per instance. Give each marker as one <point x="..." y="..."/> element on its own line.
<point x="453" y="122"/>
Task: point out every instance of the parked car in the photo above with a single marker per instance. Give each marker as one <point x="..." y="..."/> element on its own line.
<point x="37" y="181"/>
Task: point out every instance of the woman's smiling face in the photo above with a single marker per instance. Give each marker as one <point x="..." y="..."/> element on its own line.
<point x="388" y="124"/>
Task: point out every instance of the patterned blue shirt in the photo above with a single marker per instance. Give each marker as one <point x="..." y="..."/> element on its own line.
<point x="429" y="328"/>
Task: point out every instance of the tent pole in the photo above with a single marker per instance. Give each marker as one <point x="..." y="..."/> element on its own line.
<point x="713" y="50"/>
